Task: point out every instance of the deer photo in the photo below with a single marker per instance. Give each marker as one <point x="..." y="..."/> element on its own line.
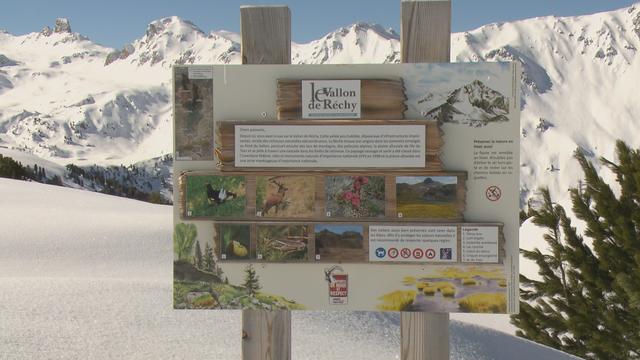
<point x="275" y="200"/>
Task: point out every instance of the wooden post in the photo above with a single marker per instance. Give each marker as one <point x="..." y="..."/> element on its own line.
<point x="425" y="36"/>
<point x="266" y="39"/>
<point x="266" y="34"/>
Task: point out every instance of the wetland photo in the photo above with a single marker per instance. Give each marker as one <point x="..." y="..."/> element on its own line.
<point x="427" y="197"/>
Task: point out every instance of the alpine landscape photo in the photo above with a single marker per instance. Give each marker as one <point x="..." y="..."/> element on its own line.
<point x="88" y="273"/>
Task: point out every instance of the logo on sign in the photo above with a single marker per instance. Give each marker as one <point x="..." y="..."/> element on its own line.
<point x="405" y="253"/>
<point x="330" y="99"/>
<point x="338" y="285"/>
<point x="393" y="253"/>
<point x="417" y="253"/>
<point x="381" y="252"/>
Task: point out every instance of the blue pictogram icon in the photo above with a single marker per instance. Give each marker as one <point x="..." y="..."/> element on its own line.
<point x="381" y="252"/>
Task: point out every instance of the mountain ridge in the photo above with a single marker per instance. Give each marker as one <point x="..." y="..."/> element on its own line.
<point x="62" y="103"/>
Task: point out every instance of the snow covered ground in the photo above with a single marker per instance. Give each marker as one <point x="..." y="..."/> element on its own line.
<point x="88" y="276"/>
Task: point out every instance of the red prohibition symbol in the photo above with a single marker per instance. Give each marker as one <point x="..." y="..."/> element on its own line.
<point x="430" y="253"/>
<point x="493" y="193"/>
<point x="405" y="253"/>
<point x="393" y="253"/>
<point x="417" y="253"/>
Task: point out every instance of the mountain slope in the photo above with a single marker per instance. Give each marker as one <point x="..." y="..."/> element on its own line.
<point x="86" y="275"/>
<point x="67" y="99"/>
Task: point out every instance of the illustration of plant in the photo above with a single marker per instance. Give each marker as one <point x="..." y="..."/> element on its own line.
<point x="184" y="237"/>
<point x="251" y="280"/>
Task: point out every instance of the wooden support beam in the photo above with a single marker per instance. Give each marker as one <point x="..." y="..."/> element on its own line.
<point x="425" y="37"/>
<point x="266" y="39"/>
<point x="425" y="33"/>
<point x="266" y="34"/>
<point x="266" y="335"/>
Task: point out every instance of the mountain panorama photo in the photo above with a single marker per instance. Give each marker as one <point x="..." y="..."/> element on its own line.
<point x="85" y="116"/>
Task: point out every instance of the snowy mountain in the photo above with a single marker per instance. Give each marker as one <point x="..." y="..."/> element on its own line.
<point x="69" y="100"/>
<point x="88" y="276"/>
<point x="474" y="104"/>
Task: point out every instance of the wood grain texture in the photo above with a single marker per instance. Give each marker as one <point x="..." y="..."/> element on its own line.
<point x="266" y="34"/>
<point x="425" y="36"/>
<point x="266" y="335"/>
<point x="381" y="99"/>
<point x="426" y="31"/>
<point x="225" y="138"/>
<point x="424" y="336"/>
<point x="266" y="39"/>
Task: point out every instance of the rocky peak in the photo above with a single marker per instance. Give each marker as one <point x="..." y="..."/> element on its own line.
<point x="62" y="26"/>
<point x="46" y="31"/>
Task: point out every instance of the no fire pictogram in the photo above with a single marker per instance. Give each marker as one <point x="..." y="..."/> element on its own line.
<point x="493" y="193"/>
<point x="405" y="253"/>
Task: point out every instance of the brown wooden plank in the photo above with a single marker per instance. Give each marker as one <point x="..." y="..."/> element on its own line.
<point x="425" y="36"/>
<point x="342" y="255"/>
<point x="381" y="99"/>
<point x="266" y="34"/>
<point x="319" y="212"/>
<point x="226" y="142"/>
<point x="425" y="33"/>
<point x="266" y="334"/>
<point x="266" y="39"/>
<point x="433" y="327"/>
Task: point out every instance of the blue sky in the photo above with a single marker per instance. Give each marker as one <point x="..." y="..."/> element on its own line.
<point x="418" y="179"/>
<point x="338" y="229"/>
<point x="117" y="22"/>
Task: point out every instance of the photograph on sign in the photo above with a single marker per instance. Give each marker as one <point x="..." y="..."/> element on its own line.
<point x="427" y="196"/>
<point x="213" y="196"/>
<point x="283" y="242"/>
<point x="340" y="242"/>
<point x="234" y="241"/>
<point x="193" y="111"/>
<point x="285" y="196"/>
<point x="355" y="196"/>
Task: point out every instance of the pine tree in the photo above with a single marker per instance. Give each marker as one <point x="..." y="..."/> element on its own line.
<point x="251" y="280"/>
<point x="588" y="301"/>
<point x="198" y="255"/>
<point x="208" y="261"/>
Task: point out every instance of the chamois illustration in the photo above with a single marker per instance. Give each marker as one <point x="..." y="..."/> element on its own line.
<point x="328" y="273"/>
<point x="276" y="200"/>
<point x="218" y="196"/>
